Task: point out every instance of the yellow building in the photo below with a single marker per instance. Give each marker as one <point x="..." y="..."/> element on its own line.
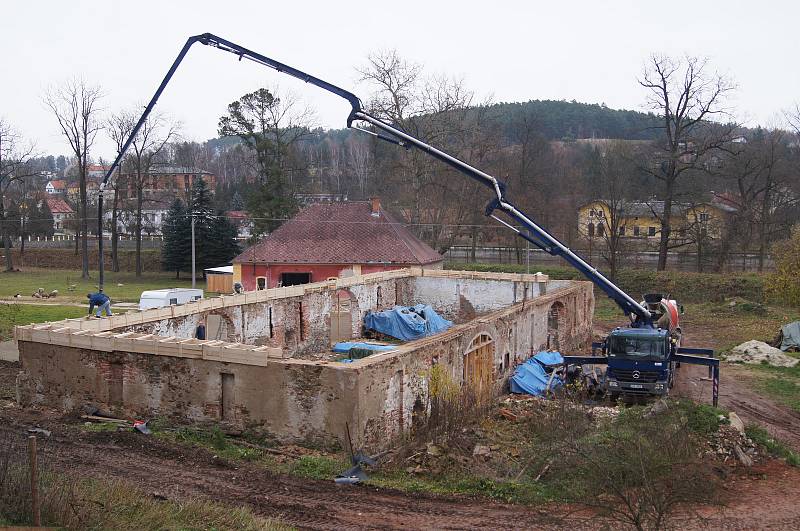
<point x="641" y="220"/>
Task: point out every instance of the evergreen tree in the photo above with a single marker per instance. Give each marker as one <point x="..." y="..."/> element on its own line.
<point x="176" y="252"/>
<point x="268" y="208"/>
<point x="201" y="208"/>
<point x="267" y="125"/>
<point x="237" y="203"/>
<point x="40" y="220"/>
<point x="222" y="246"/>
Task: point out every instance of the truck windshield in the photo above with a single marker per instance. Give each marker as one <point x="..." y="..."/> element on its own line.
<point x="635" y="347"/>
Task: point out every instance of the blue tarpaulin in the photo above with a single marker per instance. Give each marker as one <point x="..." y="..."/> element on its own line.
<point x="345" y="346"/>
<point x="790" y="336"/>
<point x="407" y="322"/>
<point x="531" y="377"/>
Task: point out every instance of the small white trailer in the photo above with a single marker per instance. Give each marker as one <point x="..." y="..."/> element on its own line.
<point x="158" y="298"/>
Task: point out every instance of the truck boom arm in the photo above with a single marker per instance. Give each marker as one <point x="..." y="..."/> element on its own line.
<point x="530" y="231"/>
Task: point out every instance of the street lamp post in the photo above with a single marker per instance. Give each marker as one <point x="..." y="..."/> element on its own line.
<point x="193" y="255"/>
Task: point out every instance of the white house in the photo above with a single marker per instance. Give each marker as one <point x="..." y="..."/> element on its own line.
<point x="56" y="186"/>
<point x="61" y="211"/>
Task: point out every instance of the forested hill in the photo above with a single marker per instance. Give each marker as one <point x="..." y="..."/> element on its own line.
<point x="552" y="119"/>
<point x="558" y="120"/>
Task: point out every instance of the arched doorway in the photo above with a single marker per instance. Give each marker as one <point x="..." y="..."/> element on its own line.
<point x="478" y="363"/>
<point x="341" y="317"/>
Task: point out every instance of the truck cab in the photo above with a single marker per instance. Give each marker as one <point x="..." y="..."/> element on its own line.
<point x="639" y="361"/>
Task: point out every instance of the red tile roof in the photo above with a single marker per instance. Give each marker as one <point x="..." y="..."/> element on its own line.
<point x="341" y="233"/>
<point x="58" y="206"/>
<point x="58" y="184"/>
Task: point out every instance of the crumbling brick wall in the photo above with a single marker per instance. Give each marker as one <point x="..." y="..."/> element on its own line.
<point x="390" y="390"/>
<point x="290" y="400"/>
<point x="300" y="324"/>
<point x="302" y="399"/>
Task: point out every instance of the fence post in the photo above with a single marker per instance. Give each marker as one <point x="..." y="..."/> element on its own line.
<point x="37" y="515"/>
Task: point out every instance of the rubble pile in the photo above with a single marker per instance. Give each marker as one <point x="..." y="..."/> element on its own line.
<point x="730" y="444"/>
<point x="435" y="458"/>
<point x="758" y="352"/>
<point x="520" y="407"/>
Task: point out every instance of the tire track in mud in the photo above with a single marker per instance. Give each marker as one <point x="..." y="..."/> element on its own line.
<point x="736" y="395"/>
<point x="181" y="472"/>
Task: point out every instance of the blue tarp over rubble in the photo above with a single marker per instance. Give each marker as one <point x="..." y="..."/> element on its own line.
<point x="407" y="322"/>
<point x="532" y="376"/>
<point x="345" y="346"/>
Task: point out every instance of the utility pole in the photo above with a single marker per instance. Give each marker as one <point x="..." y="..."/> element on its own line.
<point x="193" y="275"/>
<point x="101" y="264"/>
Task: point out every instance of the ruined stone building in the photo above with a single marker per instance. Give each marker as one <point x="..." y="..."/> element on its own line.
<point x="267" y="363"/>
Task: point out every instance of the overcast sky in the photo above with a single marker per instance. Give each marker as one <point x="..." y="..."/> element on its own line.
<point x="590" y="51"/>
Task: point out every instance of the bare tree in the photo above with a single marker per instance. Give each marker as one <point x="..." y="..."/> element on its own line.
<point x="396" y="83"/>
<point x="613" y="172"/>
<point x="359" y="160"/>
<point x="690" y="102"/>
<point x="14" y="160"/>
<point x="75" y="106"/>
<point x="757" y="175"/>
<point x="436" y="109"/>
<point x="147" y="146"/>
<point x="119" y="127"/>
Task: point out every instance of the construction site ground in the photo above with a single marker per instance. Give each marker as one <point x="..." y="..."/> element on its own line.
<point x="761" y="497"/>
<point x="738" y="388"/>
<point x="176" y="471"/>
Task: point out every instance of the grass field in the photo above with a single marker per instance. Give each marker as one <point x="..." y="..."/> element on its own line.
<point x="27" y="281"/>
<point x="22" y="314"/>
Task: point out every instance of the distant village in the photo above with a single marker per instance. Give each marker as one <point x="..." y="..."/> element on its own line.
<point x="165" y="183"/>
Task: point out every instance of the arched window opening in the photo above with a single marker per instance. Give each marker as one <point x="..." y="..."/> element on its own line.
<point x="479" y="365"/>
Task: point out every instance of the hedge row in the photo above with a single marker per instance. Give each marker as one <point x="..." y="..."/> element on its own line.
<point x="681" y="285"/>
<point x="67" y="259"/>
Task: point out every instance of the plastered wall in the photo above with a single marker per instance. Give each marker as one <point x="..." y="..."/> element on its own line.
<point x="310" y="399"/>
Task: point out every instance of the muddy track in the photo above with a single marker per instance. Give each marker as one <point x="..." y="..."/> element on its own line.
<point x="759" y="499"/>
<point x="178" y="472"/>
<point x="736" y="395"/>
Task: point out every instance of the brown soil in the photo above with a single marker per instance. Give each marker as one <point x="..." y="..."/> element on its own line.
<point x="736" y="394"/>
<point x="735" y="389"/>
<point x="760" y="498"/>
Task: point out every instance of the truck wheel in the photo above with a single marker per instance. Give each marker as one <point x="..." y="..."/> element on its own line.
<point x="613" y="397"/>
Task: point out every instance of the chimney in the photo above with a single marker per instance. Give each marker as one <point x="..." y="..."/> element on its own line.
<point x="376" y="206"/>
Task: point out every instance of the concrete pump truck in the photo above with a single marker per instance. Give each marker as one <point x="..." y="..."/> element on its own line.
<point x="641" y="357"/>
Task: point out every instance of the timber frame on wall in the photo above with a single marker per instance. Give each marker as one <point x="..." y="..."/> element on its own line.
<point x="148" y="362"/>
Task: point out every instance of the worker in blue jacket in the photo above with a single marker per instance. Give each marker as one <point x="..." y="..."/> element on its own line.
<point x="100" y="300"/>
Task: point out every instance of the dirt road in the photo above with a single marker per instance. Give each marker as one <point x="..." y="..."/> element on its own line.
<point x="736" y="394"/>
<point x="162" y="469"/>
<point x="179" y="472"/>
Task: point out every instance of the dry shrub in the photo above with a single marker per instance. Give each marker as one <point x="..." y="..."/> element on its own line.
<point x="639" y="471"/>
<point x="56" y="493"/>
<point x="784" y="284"/>
<point x="445" y="419"/>
<point x="72" y="501"/>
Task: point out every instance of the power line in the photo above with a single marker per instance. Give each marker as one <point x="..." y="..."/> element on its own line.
<point x="335" y="222"/>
